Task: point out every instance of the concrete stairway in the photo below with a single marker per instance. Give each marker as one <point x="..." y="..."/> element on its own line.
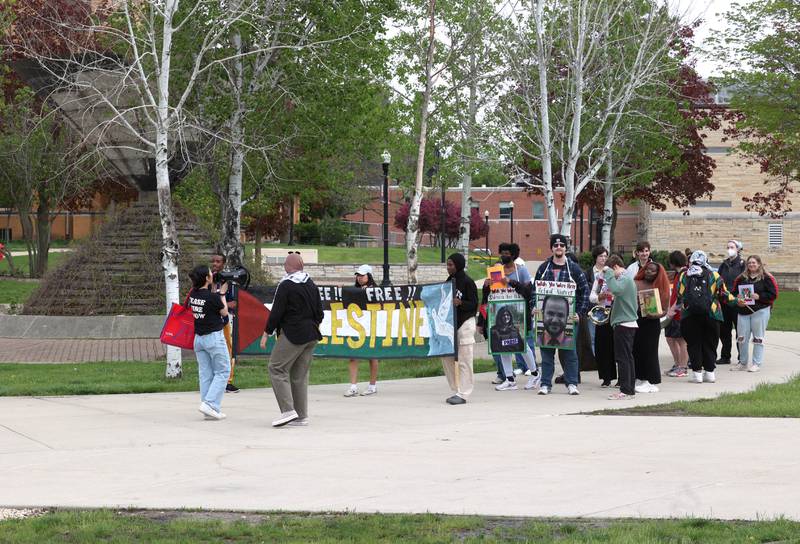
<point x="118" y="271"/>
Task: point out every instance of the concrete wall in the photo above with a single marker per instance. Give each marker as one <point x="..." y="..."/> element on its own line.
<point x="343" y="274"/>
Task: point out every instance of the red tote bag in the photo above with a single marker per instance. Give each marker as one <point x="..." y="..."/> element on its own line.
<point x="178" y="329"/>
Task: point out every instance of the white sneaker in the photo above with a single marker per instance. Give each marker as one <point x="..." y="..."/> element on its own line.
<point x="741" y="367"/>
<point x="709" y="377"/>
<point x="754" y="368"/>
<point x="299" y="422"/>
<point x="642" y="386"/>
<point x="352" y="392"/>
<point x="697" y="377"/>
<point x="544" y="390"/>
<point x="370" y="390"/>
<point x="533" y="382"/>
<point x="209" y="412"/>
<point x="506" y="386"/>
<point x="572" y="389"/>
<point x="528" y="372"/>
<point x="517" y="371"/>
<point x="653" y="388"/>
<point x="285" y="418"/>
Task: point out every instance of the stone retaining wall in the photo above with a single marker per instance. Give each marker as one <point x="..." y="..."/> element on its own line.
<point x="788" y="281"/>
<point x="339" y="274"/>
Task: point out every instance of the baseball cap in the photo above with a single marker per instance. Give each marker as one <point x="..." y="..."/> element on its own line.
<point x="364" y="269"/>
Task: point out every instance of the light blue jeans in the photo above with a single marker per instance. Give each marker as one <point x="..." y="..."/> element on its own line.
<point x="528" y="357"/>
<point x="755" y="324"/>
<point x="213" y="367"/>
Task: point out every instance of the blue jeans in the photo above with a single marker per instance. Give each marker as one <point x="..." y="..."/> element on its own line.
<point x="755" y="324"/>
<point x="213" y="367"/>
<point x="569" y="360"/>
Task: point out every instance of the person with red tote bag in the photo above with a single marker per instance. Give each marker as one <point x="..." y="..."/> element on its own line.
<point x="213" y="360"/>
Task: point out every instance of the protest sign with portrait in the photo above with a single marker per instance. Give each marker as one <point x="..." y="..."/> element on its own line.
<point x="554" y="314"/>
<point x="506" y="317"/>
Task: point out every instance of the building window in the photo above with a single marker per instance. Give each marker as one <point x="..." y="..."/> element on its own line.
<point x="712" y="204"/>
<point x="505" y="210"/>
<point x="775" y="234"/>
<point x="538" y="210"/>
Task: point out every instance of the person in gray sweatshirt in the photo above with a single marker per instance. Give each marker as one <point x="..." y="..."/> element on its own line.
<point x="623" y="321"/>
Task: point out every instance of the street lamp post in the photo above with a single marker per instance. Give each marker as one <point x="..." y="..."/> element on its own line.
<point x="511" y="221"/>
<point x="387" y="159"/>
<point x="486" y="221"/>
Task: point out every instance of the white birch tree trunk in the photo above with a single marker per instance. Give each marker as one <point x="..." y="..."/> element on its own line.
<point x="170" y="247"/>
<point x="608" y="204"/>
<point x="412" y="231"/>
<point x="466" y="184"/>
<point x="544" y="118"/>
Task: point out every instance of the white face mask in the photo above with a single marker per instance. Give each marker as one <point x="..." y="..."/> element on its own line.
<point x="732" y="252"/>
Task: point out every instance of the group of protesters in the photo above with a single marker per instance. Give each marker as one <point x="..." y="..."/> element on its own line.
<point x="699" y="308"/>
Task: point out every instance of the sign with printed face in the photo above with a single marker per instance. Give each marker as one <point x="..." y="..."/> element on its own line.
<point x="399" y="321"/>
<point x="506" y="317"/>
<point x="554" y="314"/>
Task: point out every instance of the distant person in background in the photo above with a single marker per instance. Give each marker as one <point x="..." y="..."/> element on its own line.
<point x="218" y="261"/>
<point x="730" y="269"/>
<point x="213" y="359"/>
<point x="364" y="279"/>
<point x="754" y="317"/>
<point x="675" y="341"/>
<point x="295" y="316"/>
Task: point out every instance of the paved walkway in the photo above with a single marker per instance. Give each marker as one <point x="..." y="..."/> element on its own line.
<point x="24" y="350"/>
<point x="404" y="450"/>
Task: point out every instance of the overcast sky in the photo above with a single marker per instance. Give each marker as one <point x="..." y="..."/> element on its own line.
<point x="707" y="10"/>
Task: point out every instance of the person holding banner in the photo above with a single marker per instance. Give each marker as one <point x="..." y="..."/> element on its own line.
<point x="565" y="271"/>
<point x="213" y="360"/>
<point x="295" y="316"/>
<point x="364" y="279"/>
<point x="465" y="299"/>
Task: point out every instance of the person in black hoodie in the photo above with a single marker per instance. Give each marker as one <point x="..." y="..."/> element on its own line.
<point x="730" y="269"/>
<point x="296" y="315"/>
<point x="465" y="300"/>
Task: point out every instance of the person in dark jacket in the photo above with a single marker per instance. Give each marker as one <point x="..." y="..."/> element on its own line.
<point x="560" y="268"/>
<point x="465" y="300"/>
<point x="295" y="316"/>
<point x="754" y="311"/>
<point x="730" y="269"/>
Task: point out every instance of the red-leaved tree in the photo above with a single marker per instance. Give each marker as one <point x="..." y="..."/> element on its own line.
<point x="430" y="220"/>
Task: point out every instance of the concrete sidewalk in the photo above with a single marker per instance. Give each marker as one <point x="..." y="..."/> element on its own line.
<point x="404" y="450"/>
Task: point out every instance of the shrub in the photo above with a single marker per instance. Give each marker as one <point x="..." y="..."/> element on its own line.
<point x="333" y="231"/>
<point x="306" y="233"/>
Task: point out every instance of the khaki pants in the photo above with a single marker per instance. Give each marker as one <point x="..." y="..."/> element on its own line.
<point x="288" y="370"/>
<point x="466" y="344"/>
<point x="228" y="333"/>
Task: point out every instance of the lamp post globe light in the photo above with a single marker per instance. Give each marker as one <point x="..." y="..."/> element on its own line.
<point x="486" y="221"/>
<point x="511" y="220"/>
<point x="387" y="159"/>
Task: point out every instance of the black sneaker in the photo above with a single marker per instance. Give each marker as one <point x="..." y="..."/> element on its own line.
<point x="230" y="388"/>
<point x="606" y="383"/>
<point x="559" y="379"/>
<point x="455" y="399"/>
<point x="722" y="361"/>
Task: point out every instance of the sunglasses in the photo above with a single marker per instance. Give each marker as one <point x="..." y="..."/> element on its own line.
<point x="291" y="252"/>
<point x="559" y="244"/>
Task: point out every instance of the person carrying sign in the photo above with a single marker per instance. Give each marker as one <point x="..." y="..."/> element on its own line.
<point x="559" y="268"/>
<point x="465" y="300"/>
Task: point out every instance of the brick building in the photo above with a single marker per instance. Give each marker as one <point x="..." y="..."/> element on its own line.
<point x="530" y="220"/>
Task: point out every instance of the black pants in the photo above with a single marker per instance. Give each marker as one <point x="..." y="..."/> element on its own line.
<point x="701" y="333"/>
<point x="728" y="325"/>
<point x="623" y="352"/>
<point x="645" y="350"/>
<point x="604" y="352"/>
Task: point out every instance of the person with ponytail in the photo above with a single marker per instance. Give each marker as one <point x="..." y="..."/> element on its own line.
<point x="213" y="360"/>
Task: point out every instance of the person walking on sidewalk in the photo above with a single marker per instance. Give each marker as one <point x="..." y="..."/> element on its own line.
<point x="295" y="316"/>
<point x="465" y="300"/>
<point x="675" y="341"/>
<point x="213" y="360"/>
<point x="701" y="293"/>
<point x="559" y="268"/>
<point x="730" y="269"/>
<point x="364" y="280"/>
<point x="754" y="311"/>
<point x="623" y="321"/>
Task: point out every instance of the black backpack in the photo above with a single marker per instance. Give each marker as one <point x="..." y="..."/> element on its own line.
<point x="697" y="298"/>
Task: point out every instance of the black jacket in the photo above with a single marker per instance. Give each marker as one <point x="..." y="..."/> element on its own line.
<point x="468" y="293"/>
<point x="767" y="289"/>
<point x="729" y="270"/>
<point x="296" y="312"/>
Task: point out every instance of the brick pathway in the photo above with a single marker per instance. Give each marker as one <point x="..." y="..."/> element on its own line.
<point x="16" y="350"/>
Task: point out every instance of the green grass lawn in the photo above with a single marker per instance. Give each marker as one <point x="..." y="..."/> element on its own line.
<point x="766" y="400"/>
<point x="138" y="377"/>
<point x="359" y="255"/>
<point x="184" y="526"/>
<point x="786" y="312"/>
<point x="16" y="291"/>
<point x="21" y="263"/>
